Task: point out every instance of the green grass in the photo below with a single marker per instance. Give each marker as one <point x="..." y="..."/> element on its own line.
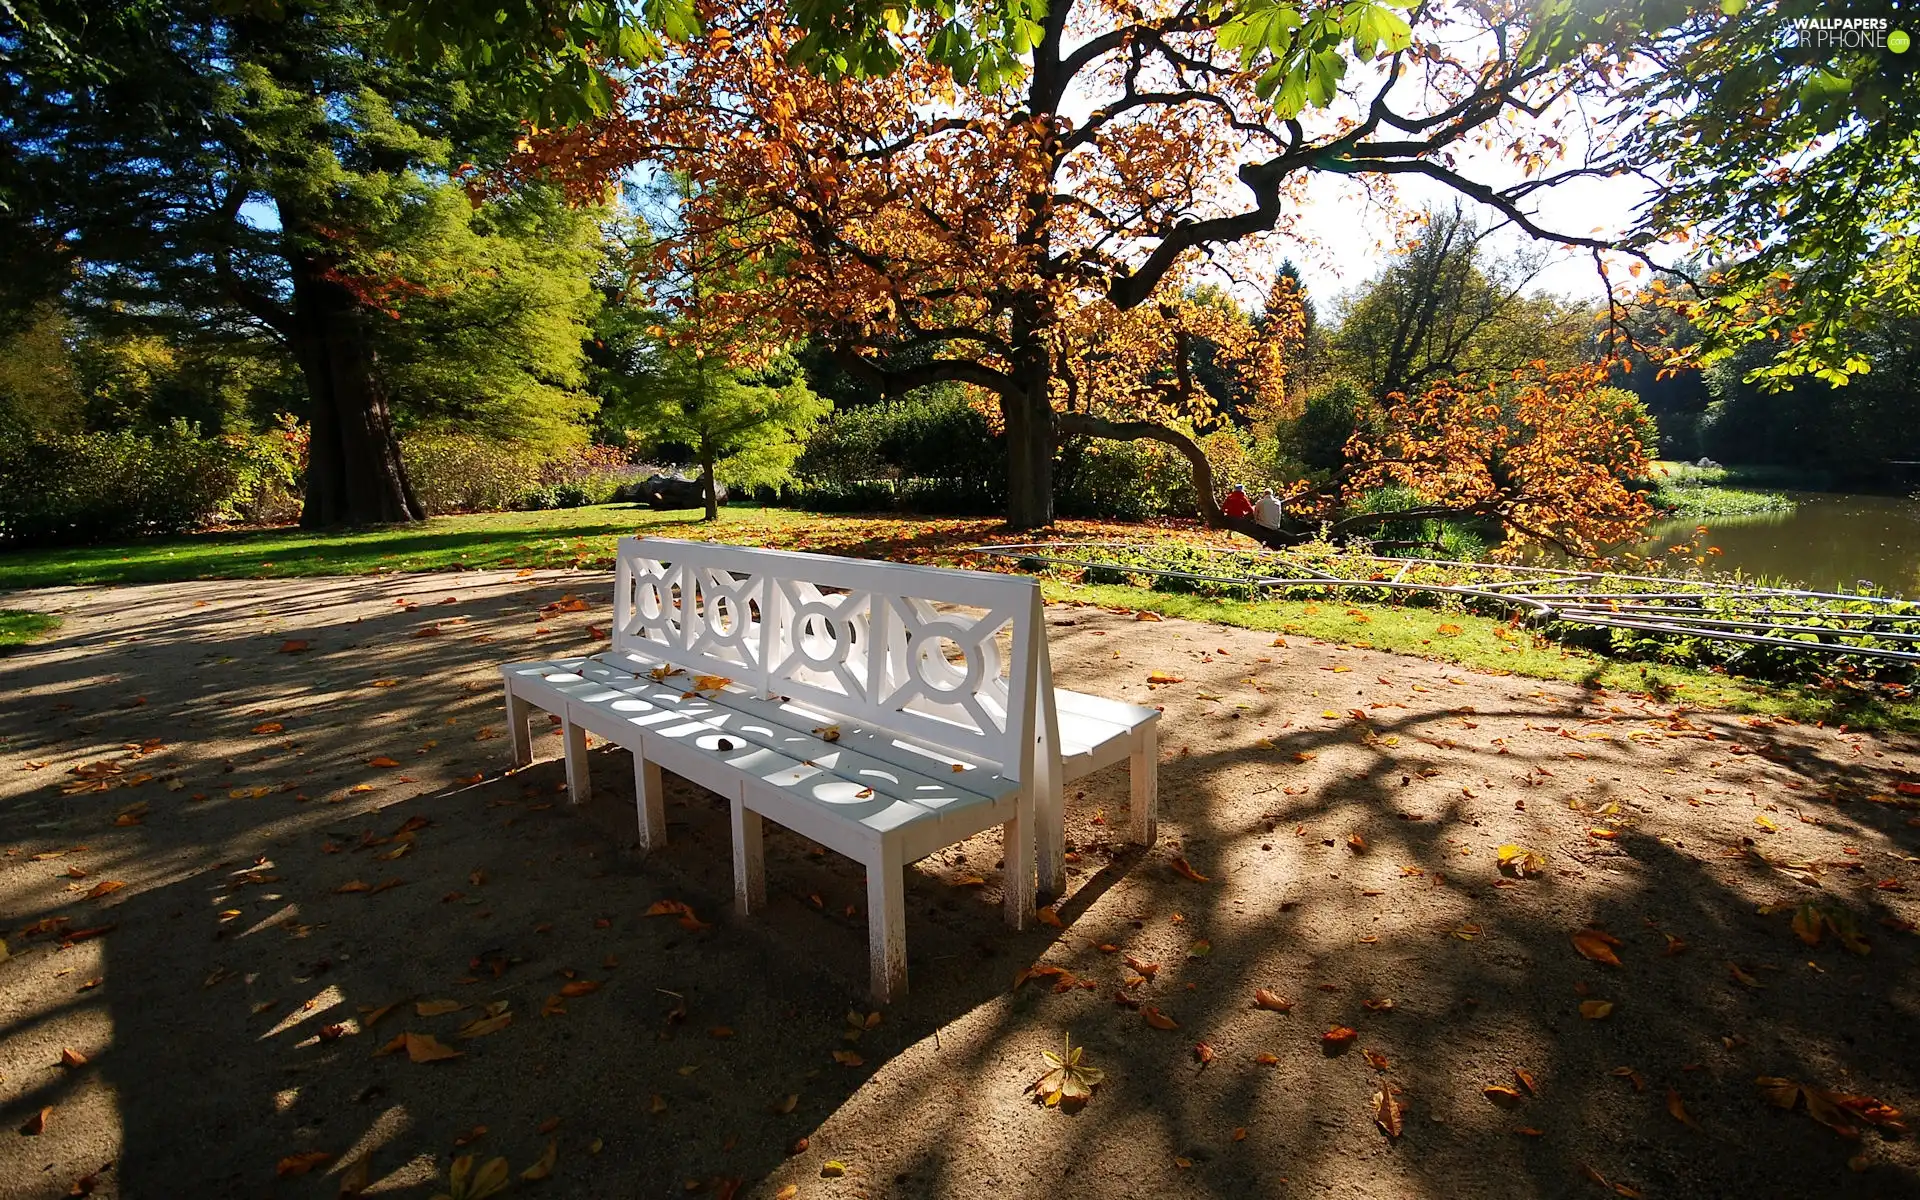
<point x="565" y="537"/>
<point x="1488" y="644"/>
<point x="585" y="538"/>
<point x="1711" y="500"/>
<point x="18" y="627"/>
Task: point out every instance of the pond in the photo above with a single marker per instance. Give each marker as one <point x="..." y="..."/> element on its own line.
<point x="1828" y="542"/>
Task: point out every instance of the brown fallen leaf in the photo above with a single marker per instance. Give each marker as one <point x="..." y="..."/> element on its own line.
<point x="1597" y="945"/>
<point x="425" y="1048"/>
<point x="1184" y="869"/>
<point x="848" y="1058"/>
<point x="72" y="1058"/>
<point x="383" y="761"/>
<point x="301" y="1163"/>
<point x="1357" y="843"/>
<point x="1502" y="1095"/>
<point x="1744" y="979"/>
<point x="1047" y="917"/>
<point x="1376" y="1060"/>
<point x="266" y="727"/>
<point x="295" y="646"/>
<point x="1267" y="1060"/>
<point x="1203" y="1052"/>
<point x="1387" y="1110"/>
<point x="1639" y="1081"/>
<point x="1337" y="1039"/>
<point x="1526" y="1080"/>
<point x="484" y="1026"/>
<point x="1596" y="1010"/>
<point x="37" y="1123"/>
<point x="579" y="987"/>
<point x="1677" y="1108"/>
<point x="437" y="1008"/>
<point x="1269" y="1000"/>
<point x="1158" y="1019"/>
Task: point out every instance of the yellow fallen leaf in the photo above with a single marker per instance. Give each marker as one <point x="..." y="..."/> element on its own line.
<point x="1596" y="1010"/>
<point x="544" y="1166"/>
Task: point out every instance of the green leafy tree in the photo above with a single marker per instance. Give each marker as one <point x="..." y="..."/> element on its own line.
<point x="744" y="429"/>
<point x="254" y="172"/>
<point x="1445" y="305"/>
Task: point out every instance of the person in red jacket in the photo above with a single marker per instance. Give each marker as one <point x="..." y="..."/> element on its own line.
<point x="1237" y="504"/>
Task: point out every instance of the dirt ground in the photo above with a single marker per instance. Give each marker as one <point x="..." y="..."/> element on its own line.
<point x="289" y="813"/>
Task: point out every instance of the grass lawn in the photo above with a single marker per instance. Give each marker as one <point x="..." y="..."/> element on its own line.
<point x="584" y="538"/>
<point x="18" y="627"/>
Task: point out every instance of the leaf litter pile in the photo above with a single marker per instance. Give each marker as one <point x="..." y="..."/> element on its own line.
<point x="1408" y="930"/>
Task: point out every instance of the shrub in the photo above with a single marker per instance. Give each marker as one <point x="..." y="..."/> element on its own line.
<point x="453" y="472"/>
<point x="73" y="488"/>
<point x="932" y="435"/>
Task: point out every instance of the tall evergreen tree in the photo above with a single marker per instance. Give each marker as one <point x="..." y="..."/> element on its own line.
<point x="244" y="169"/>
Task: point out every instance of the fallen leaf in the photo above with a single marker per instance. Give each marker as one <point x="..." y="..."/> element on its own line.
<point x="1744" y="979"/>
<point x="301" y="1163"/>
<point x="1519" y="860"/>
<point x="464" y="1184"/>
<point x="1267" y="1060"/>
<point x="1338" y="1038"/>
<point x="437" y="1008"/>
<point x="1375" y="1059"/>
<point x="1047" y="917"/>
<point x="1597" y="945"/>
<point x="425" y="1048"/>
<point x="544" y="1166"/>
<point x="1158" y="1019"/>
<point x="1357" y="843"/>
<point x="847" y="1058"/>
<point x="484" y="1026"/>
<point x="579" y="987"/>
<point x="1678" y="1109"/>
<point x="1526" y="1080"/>
<point x="1163" y="677"/>
<point x="1596" y="1010"/>
<point x="382" y="761"/>
<point x="1502" y="1095"/>
<point x="1271" y="1001"/>
<point x="295" y="646"/>
<point x="1185" y="869"/>
<point x="833" y="1168"/>
<point x="37" y="1123"/>
<point x="1387" y="1112"/>
<point x="105" y="887"/>
<point x="1068" y="1081"/>
<point x="1203" y="1052"/>
<point x="266" y="727"/>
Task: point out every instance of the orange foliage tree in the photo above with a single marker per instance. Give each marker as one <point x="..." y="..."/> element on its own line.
<point x="1046" y="242"/>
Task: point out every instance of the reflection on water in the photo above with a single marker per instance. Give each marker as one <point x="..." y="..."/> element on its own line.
<point x="1830" y="542"/>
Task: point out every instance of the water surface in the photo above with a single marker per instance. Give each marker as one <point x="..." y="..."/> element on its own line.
<point x="1829" y="542"/>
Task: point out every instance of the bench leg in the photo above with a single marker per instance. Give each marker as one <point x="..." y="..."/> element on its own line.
<point x="650" y="798"/>
<point x="1143" y="773"/>
<point x="575" y="737"/>
<point x="887" y="922"/>
<point x="1016" y="850"/>
<point x="1050" y="815"/>
<point x="749" y="861"/>
<point x="519" y="713"/>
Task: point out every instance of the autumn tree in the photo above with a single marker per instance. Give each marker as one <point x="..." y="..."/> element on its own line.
<point x="1043" y="238"/>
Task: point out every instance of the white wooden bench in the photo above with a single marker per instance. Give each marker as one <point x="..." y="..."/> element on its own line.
<point x="832" y="696"/>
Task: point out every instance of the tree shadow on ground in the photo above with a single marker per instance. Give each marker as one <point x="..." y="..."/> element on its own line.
<point x="257" y="936"/>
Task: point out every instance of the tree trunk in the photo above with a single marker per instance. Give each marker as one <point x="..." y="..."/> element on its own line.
<point x="354" y="473"/>
<point x="706" y="485"/>
<point x="1030" y="445"/>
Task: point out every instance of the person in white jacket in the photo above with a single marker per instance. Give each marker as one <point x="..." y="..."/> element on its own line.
<point x="1266" y="510"/>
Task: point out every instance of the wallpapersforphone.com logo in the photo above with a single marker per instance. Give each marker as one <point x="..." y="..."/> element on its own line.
<point x="1848" y="33"/>
<point x="1826" y="35"/>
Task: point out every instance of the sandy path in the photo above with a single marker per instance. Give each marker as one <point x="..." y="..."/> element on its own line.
<point x="221" y="1016"/>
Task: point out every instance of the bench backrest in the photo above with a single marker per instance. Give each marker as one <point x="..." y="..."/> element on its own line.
<point x="855" y="638"/>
